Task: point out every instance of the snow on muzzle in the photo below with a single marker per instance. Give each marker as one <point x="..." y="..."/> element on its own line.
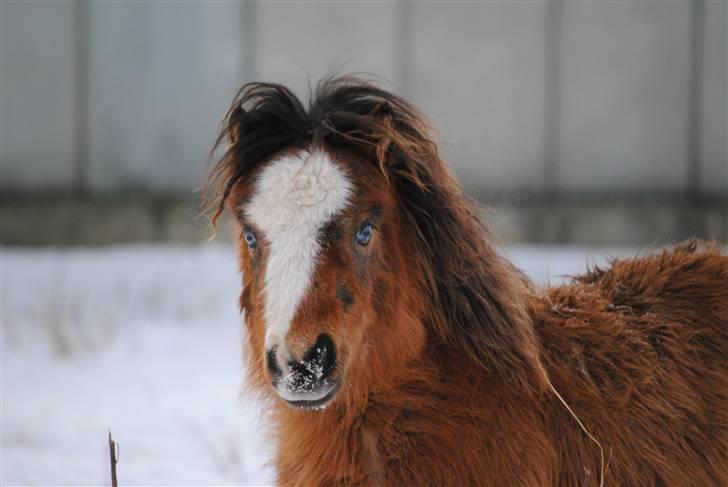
<point x="306" y="383"/>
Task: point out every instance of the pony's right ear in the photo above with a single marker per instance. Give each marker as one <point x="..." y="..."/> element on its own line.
<point x="234" y="126"/>
<point x="226" y="172"/>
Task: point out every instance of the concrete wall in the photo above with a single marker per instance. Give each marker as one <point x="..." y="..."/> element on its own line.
<point x="714" y="100"/>
<point x="572" y="97"/>
<point x="533" y="100"/>
<point x="625" y="96"/>
<point x="479" y="71"/>
<point x="115" y="95"/>
<point x="38" y="97"/>
<point x="161" y="76"/>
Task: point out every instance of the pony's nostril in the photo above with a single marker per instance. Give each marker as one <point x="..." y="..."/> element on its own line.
<point x="272" y="362"/>
<point x="308" y="375"/>
<point x="320" y="359"/>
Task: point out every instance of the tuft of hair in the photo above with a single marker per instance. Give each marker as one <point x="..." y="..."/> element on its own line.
<point x="267" y="118"/>
<point x="476" y="300"/>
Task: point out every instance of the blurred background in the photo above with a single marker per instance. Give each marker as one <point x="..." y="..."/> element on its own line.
<point x="586" y="129"/>
<point x="597" y="122"/>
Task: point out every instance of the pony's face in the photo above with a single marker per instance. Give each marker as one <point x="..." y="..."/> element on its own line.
<point x="323" y="266"/>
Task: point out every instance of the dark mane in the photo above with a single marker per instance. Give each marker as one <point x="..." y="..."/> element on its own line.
<point x="477" y="301"/>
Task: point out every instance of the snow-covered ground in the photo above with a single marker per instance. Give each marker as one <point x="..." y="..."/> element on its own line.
<point x="143" y="341"/>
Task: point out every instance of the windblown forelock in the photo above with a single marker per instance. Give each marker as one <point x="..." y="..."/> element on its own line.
<point x="295" y="196"/>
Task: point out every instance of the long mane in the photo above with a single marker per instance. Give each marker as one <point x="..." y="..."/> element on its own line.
<point x="475" y="302"/>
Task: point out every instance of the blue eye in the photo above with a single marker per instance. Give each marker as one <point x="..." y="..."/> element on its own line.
<point x="250" y="238"/>
<point x="364" y="235"/>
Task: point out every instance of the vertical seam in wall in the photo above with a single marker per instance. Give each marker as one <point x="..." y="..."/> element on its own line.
<point x="3" y="161"/>
<point x="249" y="20"/>
<point x="694" y="127"/>
<point x="81" y="94"/>
<point x="553" y="56"/>
<point x="403" y="41"/>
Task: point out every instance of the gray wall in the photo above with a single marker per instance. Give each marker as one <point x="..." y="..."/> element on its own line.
<point x="575" y="97"/>
<point x="546" y="100"/>
<point x="115" y="95"/>
<point x="38" y="100"/>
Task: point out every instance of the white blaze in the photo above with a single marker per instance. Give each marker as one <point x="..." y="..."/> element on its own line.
<point x="295" y="196"/>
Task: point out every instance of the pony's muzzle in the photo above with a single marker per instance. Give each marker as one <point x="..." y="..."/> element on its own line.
<point x="306" y="383"/>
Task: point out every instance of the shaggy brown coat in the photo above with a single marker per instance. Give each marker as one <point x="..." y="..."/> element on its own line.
<point x="477" y="378"/>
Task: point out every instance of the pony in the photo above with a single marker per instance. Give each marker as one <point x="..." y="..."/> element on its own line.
<point x="394" y="344"/>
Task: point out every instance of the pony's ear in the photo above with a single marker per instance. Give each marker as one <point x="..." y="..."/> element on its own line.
<point x="383" y="112"/>
<point x="404" y="146"/>
<point x="235" y="124"/>
<point x="223" y="175"/>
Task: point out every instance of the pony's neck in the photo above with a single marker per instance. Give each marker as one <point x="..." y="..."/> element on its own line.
<point x="473" y="299"/>
<point x="480" y="313"/>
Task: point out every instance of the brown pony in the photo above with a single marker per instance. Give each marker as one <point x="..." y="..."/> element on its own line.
<point x="396" y="346"/>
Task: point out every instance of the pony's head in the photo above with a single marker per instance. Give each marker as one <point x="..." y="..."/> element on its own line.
<point x="357" y="247"/>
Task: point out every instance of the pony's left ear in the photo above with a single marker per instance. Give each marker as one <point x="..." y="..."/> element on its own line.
<point x="403" y="143"/>
<point x="383" y="112"/>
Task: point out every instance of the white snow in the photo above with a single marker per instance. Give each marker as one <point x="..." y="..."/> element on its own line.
<point x="144" y="341"/>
